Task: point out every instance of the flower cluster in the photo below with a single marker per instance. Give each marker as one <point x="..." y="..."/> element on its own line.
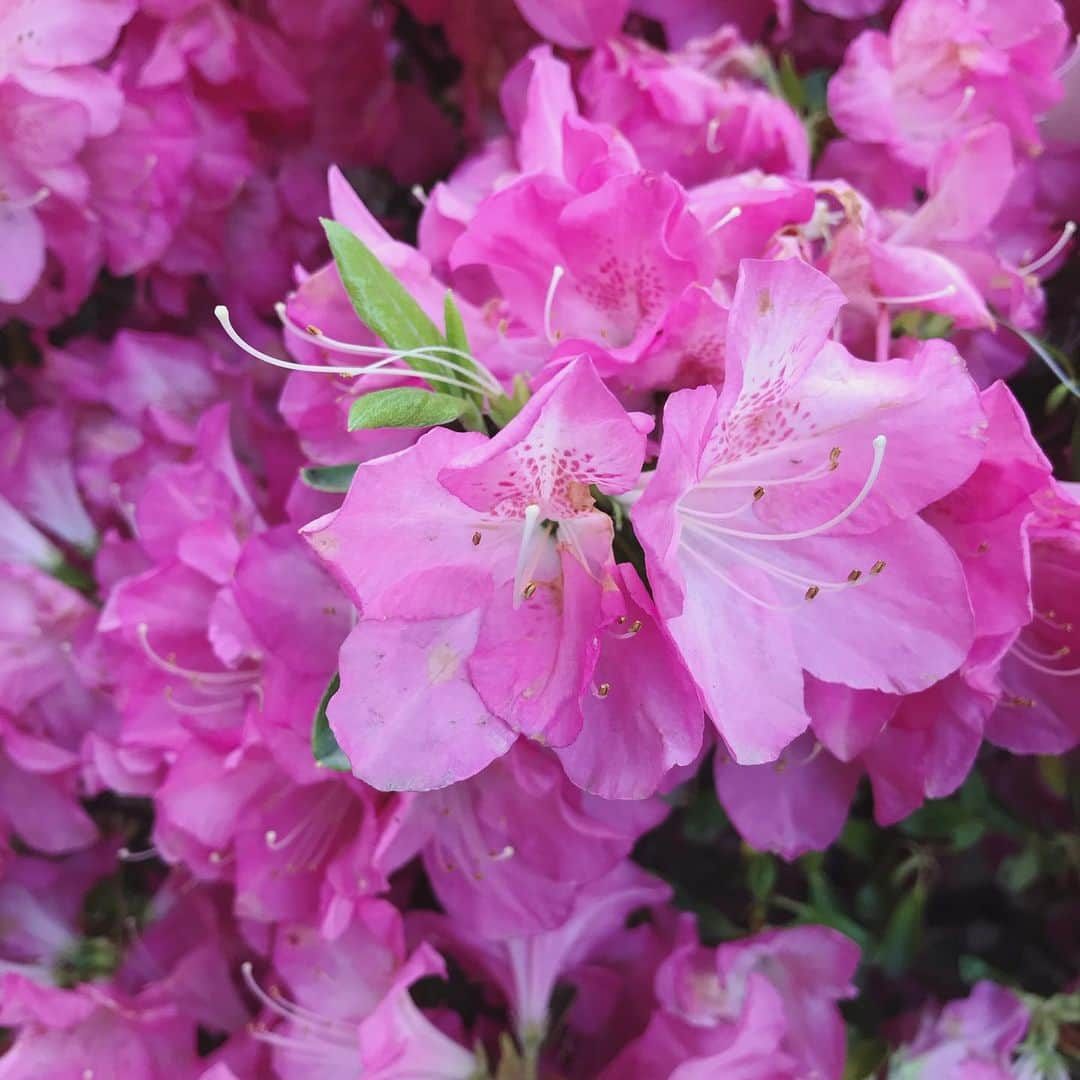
<point x="362" y="649"/>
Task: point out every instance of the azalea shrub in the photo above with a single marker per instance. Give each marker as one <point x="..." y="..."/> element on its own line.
<point x="540" y="540"/>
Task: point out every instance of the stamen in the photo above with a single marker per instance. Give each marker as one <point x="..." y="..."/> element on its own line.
<point x="711" y="131"/>
<point x="1058" y="247"/>
<point x="556" y="276"/>
<point x="470" y="367"/>
<point x="380" y="367"/>
<point x="1050" y="619"/>
<point x="812" y="592"/>
<point x="419" y="194"/>
<point x="126" y="855"/>
<point x="602" y="690"/>
<point x="704" y="516"/>
<point x="966" y="99"/>
<point x="476" y="538"/>
<point x="712" y="568"/>
<point x="224" y="680"/>
<point x="878" y="567"/>
<point x="854" y="576"/>
<point x="28" y="203"/>
<point x="1060" y="673"/>
<point x="533" y="539"/>
<point x="507" y="852"/>
<point x="730" y="216"/>
<point x="923" y="298"/>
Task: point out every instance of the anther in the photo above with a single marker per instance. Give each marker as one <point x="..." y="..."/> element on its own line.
<point x="635" y="626"/>
<point x="1020" y="702"/>
<point x="621" y="620"/>
<point x="529" y="591"/>
<point x="759" y="494"/>
<point x="834" y="459"/>
<point x="812" y="592"/>
<point x="854" y="575"/>
<point x="603" y="690"/>
<point x="271" y="837"/>
<point x="313" y="330"/>
<point x="878" y="567"/>
<point x="476" y="539"/>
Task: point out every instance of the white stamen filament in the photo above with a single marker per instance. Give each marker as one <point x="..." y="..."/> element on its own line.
<point x="336" y="1036"/>
<point x="1058" y="247"/>
<point x="711" y="143"/>
<point x="549" y="301"/>
<point x="704" y="517"/>
<point x="816" y="473"/>
<point x="127" y="855"/>
<point x="966" y="98"/>
<point x="711" y="566"/>
<point x="1040" y="659"/>
<point x="380" y="367"/>
<point x="209" y="680"/>
<point x="919" y="298"/>
<point x="473" y="369"/>
<point x="419" y="194"/>
<point x="730" y="216"/>
<point x="28" y="203"/>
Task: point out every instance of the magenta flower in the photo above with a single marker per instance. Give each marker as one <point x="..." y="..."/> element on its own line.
<point x="782" y="517"/>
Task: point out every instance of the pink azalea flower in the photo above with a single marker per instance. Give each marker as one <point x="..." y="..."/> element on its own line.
<point x="695" y="114"/>
<point x="509" y="851"/>
<point x="948" y="66"/>
<point x="349" y="1009"/>
<point x="1039" y="674"/>
<point x="576" y="25"/>
<point x="791" y="487"/>
<point x="973" y="1037"/>
<point x="491" y="626"/>
<point x="527" y="967"/>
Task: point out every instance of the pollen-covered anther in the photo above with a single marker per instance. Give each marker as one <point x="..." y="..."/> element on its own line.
<point x="621" y="620"/>
<point x="1020" y="702"/>
<point x="878" y="567"/>
<point x="854" y="575"/>
<point x="759" y="493"/>
<point x="476" y="538"/>
<point x="635" y="626"/>
<point x="834" y="459"/>
<point x="602" y="690"/>
<point x="812" y="592"/>
<point x="529" y="591"/>
<point x="313" y="330"/>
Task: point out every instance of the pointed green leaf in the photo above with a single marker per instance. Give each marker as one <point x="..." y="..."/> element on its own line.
<point x="456" y="336"/>
<point x="404" y="407"/>
<point x="323" y="744"/>
<point x="380" y="300"/>
<point x="333" y="478"/>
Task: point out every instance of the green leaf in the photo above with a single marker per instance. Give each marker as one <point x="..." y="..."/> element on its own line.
<point x="903" y="933"/>
<point x="761" y="872"/>
<point x="324" y="745"/>
<point x="380" y="300"/>
<point x="404" y="407"/>
<point x="333" y="478"/>
<point x="503" y="410"/>
<point x="456" y="337"/>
